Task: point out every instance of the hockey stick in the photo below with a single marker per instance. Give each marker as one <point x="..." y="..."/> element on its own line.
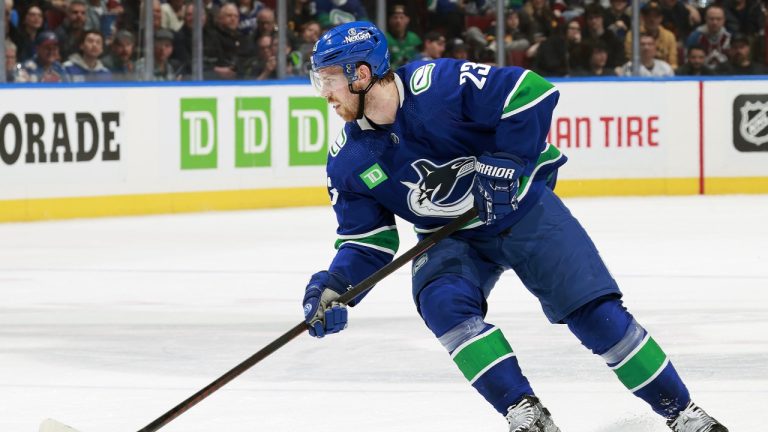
<point x="365" y="285"/>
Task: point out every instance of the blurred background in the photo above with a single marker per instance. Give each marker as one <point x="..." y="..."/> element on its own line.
<point x="164" y="40"/>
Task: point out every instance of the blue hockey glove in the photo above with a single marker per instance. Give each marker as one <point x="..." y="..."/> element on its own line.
<point x="497" y="178"/>
<point x="321" y="312"/>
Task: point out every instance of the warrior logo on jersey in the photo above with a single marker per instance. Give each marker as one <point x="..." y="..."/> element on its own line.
<point x="442" y="190"/>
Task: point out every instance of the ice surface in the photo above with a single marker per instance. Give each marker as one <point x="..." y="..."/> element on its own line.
<point x="106" y="324"/>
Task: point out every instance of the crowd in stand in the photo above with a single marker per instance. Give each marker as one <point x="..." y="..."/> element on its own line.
<point x="100" y="40"/>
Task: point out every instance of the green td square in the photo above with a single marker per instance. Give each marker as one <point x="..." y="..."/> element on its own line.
<point x="373" y="176"/>
<point x="198" y="133"/>
<point x="307" y="131"/>
<point x="253" y="143"/>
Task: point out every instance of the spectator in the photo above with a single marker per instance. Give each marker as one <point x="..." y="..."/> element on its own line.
<point x="514" y="38"/>
<point x="293" y="59"/>
<point x="744" y="16"/>
<point x="487" y="56"/>
<point x="182" y="41"/>
<point x="71" y="31"/>
<point x="457" y="49"/>
<point x="539" y="17"/>
<point x="434" y="47"/>
<point x="172" y="15"/>
<point x="45" y="66"/>
<point x="446" y="17"/>
<point x="264" y="66"/>
<point x="13" y="70"/>
<point x="85" y="65"/>
<point x="740" y="59"/>
<point x="211" y="10"/>
<point x="11" y="32"/>
<point x="93" y="13"/>
<point x="595" y="31"/>
<point x="695" y="64"/>
<point x="666" y="44"/>
<point x="249" y="10"/>
<point x="560" y="53"/>
<point x="229" y="46"/>
<point x="335" y="12"/>
<point x="402" y="43"/>
<point x="712" y="36"/>
<point x="650" y="65"/>
<point x="679" y="17"/>
<point x="55" y="13"/>
<point x="135" y="18"/>
<point x="309" y="35"/>
<point x="617" y="19"/>
<point x="301" y="13"/>
<point x="597" y="64"/>
<point x="165" y="69"/>
<point x="120" y="59"/>
<point x="265" y="23"/>
<point x="31" y="26"/>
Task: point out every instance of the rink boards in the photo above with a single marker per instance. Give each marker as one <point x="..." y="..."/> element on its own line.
<point x="80" y="151"/>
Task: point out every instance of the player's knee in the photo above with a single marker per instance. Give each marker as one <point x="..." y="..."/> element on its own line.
<point x="601" y="324"/>
<point x="448" y="302"/>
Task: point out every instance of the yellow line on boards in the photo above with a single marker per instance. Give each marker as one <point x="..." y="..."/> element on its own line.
<point x="184" y="202"/>
<point x="738" y="185"/>
<point x="627" y="187"/>
<point x="144" y="204"/>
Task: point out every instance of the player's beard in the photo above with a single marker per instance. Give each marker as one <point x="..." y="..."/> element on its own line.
<point x="348" y="110"/>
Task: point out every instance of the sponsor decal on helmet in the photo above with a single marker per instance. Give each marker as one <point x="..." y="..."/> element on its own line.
<point x="353" y="36"/>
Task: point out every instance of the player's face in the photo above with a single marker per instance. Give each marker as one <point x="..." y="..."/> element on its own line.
<point x="331" y="84"/>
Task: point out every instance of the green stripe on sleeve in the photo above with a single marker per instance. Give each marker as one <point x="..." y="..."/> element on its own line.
<point x="526" y="93"/>
<point x="481" y="352"/>
<point x="385" y="241"/>
<point x="642" y="366"/>
<point x="549" y="155"/>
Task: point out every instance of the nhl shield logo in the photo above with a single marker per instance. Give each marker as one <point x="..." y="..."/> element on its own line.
<point x="750" y="123"/>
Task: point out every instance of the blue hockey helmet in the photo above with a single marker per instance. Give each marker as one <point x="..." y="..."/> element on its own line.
<point x="348" y="44"/>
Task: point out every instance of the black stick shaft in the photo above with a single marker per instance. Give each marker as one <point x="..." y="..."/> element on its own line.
<point x="301" y="327"/>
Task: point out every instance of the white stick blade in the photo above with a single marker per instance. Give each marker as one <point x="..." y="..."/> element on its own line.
<point x="51" y="425"/>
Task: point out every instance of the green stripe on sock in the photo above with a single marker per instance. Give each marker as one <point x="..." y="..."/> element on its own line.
<point x="385" y="239"/>
<point x="483" y="351"/>
<point x="641" y="366"/>
<point x="532" y="87"/>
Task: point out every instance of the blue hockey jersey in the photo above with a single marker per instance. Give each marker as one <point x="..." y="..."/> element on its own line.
<point x="421" y="167"/>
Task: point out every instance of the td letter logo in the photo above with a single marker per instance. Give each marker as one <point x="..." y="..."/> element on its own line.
<point x="307" y="130"/>
<point x="252" y="135"/>
<point x="198" y="133"/>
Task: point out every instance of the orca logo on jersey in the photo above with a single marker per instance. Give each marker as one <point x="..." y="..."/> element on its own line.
<point x="441" y="190"/>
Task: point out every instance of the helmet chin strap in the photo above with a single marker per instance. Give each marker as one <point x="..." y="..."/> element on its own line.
<point x="361" y="94"/>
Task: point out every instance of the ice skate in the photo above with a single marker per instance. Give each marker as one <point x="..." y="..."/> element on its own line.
<point x="529" y="415"/>
<point x="695" y="419"/>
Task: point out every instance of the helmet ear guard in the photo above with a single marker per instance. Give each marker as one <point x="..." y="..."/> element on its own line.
<point x="361" y="93"/>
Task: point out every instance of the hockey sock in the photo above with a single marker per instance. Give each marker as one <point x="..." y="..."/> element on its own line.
<point x="488" y="362"/>
<point x="627" y="348"/>
<point x="452" y="308"/>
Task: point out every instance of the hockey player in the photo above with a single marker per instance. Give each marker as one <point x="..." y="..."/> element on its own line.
<point x="427" y="143"/>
